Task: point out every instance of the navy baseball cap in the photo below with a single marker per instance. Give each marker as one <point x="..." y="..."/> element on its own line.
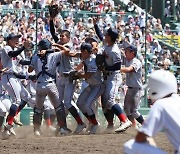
<point x="44" y="44"/>
<point x="132" y="48"/>
<point x="86" y="46"/>
<point x="113" y="33"/>
<point x="12" y="36"/>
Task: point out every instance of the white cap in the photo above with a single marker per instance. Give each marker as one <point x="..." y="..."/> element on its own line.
<point x="155" y="41"/>
<point x="130" y="16"/>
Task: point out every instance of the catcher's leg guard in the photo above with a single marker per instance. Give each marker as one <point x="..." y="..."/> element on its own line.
<point x="61" y="118"/>
<point x="37" y="118"/>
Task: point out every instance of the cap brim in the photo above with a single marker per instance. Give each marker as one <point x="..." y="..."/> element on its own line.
<point x="16" y="36"/>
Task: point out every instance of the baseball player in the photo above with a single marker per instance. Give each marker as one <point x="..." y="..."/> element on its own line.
<point x="49" y="112"/>
<point x="67" y="65"/>
<point x="113" y="78"/>
<point x="95" y="86"/>
<point x="9" y="81"/>
<point x="133" y="70"/>
<point x="164" y="115"/>
<point x="45" y="65"/>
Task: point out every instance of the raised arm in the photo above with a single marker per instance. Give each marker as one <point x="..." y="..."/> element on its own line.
<point x="52" y="30"/>
<point x="18" y="51"/>
<point x="98" y="31"/>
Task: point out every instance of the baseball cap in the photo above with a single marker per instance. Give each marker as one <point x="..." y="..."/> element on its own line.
<point x="130" y="16"/>
<point x="155" y="41"/>
<point x="113" y="33"/>
<point x="12" y="36"/>
<point x="132" y="48"/>
<point x="86" y="46"/>
<point x="44" y="44"/>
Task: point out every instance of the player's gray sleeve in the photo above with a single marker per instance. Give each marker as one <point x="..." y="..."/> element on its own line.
<point x="136" y="65"/>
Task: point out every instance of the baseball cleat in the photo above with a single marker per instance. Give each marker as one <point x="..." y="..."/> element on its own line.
<point x="37" y="133"/>
<point x="80" y="128"/>
<point x="10" y="129"/>
<point x="110" y="127"/>
<point x="17" y="122"/>
<point x="65" y="131"/>
<point x="52" y="129"/>
<point x="6" y="135"/>
<point x="124" y="126"/>
<point x="94" y="128"/>
<point x="89" y="127"/>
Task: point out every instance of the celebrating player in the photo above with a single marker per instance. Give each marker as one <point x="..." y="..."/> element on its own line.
<point x="133" y="70"/>
<point x="9" y="81"/>
<point x="67" y="65"/>
<point x="44" y="65"/>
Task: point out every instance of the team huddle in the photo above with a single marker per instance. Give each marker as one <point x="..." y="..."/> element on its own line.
<point x="53" y="72"/>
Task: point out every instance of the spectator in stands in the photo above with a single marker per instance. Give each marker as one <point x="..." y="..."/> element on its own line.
<point x="156" y="47"/>
<point x="167" y="30"/>
<point x="168" y="9"/>
<point x="176" y="58"/>
<point x="130" y="7"/>
<point x="149" y="37"/>
<point x="142" y="22"/>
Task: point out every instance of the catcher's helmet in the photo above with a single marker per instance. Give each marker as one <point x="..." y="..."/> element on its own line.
<point x="86" y="46"/>
<point x="44" y="44"/>
<point x="161" y="83"/>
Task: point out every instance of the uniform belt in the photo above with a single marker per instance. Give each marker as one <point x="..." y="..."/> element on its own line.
<point x="46" y="82"/>
<point x="134" y="88"/>
<point x="65" y="74"/>
<point x="110" y="73"/>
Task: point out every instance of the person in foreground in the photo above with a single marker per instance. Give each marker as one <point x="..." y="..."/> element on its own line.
<point x="164" y="115"/>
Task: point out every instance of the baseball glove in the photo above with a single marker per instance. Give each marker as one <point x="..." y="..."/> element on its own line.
<point x="73" y="76"/>
<point x="100" y="61"/>
<point x="53" y="10"/>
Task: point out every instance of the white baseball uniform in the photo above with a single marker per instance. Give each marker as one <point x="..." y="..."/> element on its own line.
<point x="164" y="115"/>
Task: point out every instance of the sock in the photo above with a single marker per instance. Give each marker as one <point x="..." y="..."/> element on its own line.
<point x="93" y="119"/>
<point x="47" y="117"/>
<point x="118" y="111"/>
<point x="75" y="114"/>
<point x="48" y="122"/>
<point x="12" y="113"/>
<point x="21" y="106"/>
<point x="109" y="115"/>
<point x="88" y="117"/>
<point x="140" y="119"/>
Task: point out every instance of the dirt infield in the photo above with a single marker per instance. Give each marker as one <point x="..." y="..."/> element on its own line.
<point x="27" y="143"/>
